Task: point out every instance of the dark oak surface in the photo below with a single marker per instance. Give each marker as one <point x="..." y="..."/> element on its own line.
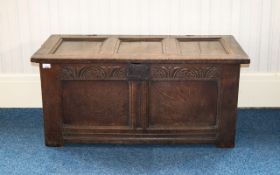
<point x="89" y="48"/>
<point x="140" y="89"/>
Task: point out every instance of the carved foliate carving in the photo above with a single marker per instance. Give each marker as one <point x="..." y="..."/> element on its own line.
<point x="94" y="72"/>
<point x="157" y="72"/>
<point x="184" y="72"/>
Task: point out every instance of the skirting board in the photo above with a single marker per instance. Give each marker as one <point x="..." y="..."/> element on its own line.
<point x="256" y="90"/>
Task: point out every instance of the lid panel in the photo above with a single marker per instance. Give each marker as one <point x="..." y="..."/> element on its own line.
<point x="78" y="47"/>
<point x="140" y="46"/>
<point x="202" y="47"/>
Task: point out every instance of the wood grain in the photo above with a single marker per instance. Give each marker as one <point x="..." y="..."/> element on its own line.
<point x="99" y="103"/>
<point x="183" y="104"/>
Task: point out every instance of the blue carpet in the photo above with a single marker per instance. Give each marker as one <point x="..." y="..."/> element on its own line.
<point x="22" y="150"/>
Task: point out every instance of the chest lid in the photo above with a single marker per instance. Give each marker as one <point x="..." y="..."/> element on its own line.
<point x="121" y="48"/>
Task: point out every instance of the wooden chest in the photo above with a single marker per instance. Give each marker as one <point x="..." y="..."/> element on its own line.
<point x="140" y="89"/>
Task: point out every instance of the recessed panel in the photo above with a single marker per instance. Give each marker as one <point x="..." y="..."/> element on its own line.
<point x="140" y="46"/>
<point x="182" y="104"/>
<point x="79" y="46"/>
<point x="96" y="103"/>
<point x="201" y="47"/>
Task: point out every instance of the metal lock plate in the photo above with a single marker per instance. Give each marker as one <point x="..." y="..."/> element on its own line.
<point x="138" y="71"/>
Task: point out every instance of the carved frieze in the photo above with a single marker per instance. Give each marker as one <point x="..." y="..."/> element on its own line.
<point x="170" y="72"/>
<point x="157" y="72"/>
<point x="94" y="72"/>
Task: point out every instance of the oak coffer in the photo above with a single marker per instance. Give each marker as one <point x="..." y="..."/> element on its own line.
<point x="140" y="89"/>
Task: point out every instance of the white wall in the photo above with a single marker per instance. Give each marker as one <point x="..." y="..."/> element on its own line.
<point x="25" y="24"/>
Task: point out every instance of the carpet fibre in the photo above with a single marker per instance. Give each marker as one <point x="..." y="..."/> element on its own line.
<point x="22" y="150"/>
